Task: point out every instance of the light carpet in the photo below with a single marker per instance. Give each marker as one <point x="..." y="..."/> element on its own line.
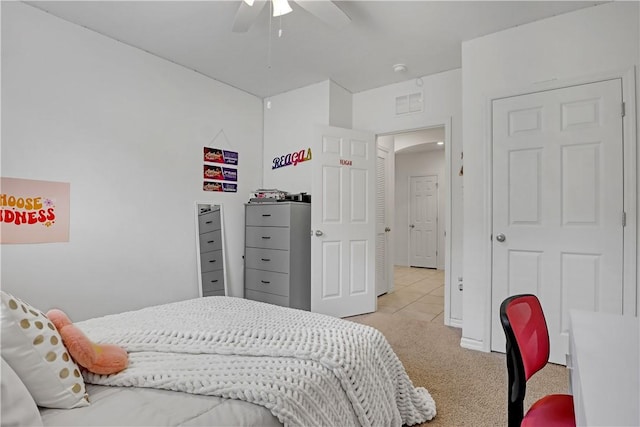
<point x="469" y="387"/>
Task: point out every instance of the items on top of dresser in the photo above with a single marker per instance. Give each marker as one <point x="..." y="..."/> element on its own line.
<point x="275" y="195"/>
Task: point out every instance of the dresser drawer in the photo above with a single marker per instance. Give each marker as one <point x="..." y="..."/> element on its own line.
<point x="267" y="281"/>
<point x="209" y="221"/>
<point x="267" y="237"/>
<point x="213" y="281"/>
<point x="210" y="261"/>
<point x="211" y="241"/>
<point x="268" y="298"/>
<point x="268" y="214"/>
<point x="267" y="259"/>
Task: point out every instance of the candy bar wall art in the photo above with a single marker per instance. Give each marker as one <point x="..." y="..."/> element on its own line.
<point x="220" y="173"/>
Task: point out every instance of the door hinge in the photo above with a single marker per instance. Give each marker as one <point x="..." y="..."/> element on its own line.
<point x="623" y="109"/>
<point x="624" y="219"/>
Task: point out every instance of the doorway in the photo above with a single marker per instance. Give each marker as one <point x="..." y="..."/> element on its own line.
<point x="420" y="152"/>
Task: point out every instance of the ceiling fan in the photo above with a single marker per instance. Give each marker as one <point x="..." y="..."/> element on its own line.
<point x="325" y="10"/>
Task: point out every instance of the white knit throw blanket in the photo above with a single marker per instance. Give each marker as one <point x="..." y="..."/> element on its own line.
<point x="307" y="368"/>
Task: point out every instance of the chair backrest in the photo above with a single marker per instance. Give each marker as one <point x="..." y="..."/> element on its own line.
<point x="527" y="349"/>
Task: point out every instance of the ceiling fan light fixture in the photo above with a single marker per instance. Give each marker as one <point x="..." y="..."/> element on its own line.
<point x="249" y="2"/>
<point x="281" y="7"/>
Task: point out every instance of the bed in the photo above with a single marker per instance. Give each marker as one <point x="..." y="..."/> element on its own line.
<point x="230" y="361"/>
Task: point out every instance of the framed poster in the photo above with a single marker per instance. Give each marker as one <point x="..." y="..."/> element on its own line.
<point x="33" y="211"/>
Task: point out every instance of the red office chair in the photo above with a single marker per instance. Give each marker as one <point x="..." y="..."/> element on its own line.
<point x="528" y="352"/>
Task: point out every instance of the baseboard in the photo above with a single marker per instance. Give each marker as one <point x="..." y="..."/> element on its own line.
<point x="472" y="344"/>
<point x="454" y="323"/>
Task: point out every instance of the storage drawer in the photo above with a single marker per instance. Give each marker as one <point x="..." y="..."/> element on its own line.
<point x="213" y="281"/>
<point x="267" y="281"/>
<point x="267" y="259"/>
<point x="213" y="293"/>
<point x="209" y="221"/>
<point x="211" y="241"/>
<point x="267" y="237"/>
<point x="268" y="298"/>
<point x="210" y="261"/>
<point x="268" y="214"/>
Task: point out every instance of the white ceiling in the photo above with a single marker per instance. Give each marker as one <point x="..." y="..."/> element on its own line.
<point x="424" y="35"/>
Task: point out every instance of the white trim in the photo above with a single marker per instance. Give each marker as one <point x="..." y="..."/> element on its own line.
<point x="631" y="296"/>
<point x="455" y="323"/>
<point x="472" y="344"/>
<point x="630" y="185"/>
<point x="448" y="170"/>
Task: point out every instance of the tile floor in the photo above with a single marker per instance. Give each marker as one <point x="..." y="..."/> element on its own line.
<point x="418" y="293"/>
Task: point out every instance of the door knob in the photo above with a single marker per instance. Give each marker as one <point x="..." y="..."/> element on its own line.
<point x="501" y="238"/>
<point x="319" y="233"/>
<point x="387" y="229"/>
<point x="412" y="226"/>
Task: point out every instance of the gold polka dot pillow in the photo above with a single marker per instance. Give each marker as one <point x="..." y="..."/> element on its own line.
<point x="33" y="348"/>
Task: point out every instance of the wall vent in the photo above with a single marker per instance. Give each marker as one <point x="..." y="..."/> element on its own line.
<point x="407" y="104"/>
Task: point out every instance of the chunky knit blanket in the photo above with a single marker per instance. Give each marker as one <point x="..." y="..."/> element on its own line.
<point x="306" y="368"/>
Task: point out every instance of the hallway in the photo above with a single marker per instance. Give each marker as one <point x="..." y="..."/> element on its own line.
<point x="418" y="294"/>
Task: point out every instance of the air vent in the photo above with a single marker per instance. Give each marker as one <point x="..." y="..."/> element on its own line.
<point x="408" y="104"/>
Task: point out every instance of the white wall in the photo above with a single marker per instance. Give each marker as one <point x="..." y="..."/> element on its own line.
<point x="374" y="110"/>
<point x="588" y="42"/>
<point x="126" y="129"/>
<point x="340" y="106"/>
<point x="417" y="164"/>
<point x="289" y="125"/>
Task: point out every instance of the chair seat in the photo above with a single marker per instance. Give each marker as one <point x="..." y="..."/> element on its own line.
<point x="554" y="410"/>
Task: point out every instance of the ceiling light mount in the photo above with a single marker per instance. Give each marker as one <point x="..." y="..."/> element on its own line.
<point x="400" y="68"/>
<point x="281" y="7"/>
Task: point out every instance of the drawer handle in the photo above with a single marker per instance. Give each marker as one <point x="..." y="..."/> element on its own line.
<point x="265" y="282"/>
<point x="214" y="281"/>
<point x="266" y="214"/>
<point x="209" y="222"/>
<point x="266" y="237"/>
<point x="266" y="259"/>
<point x="211" y="241"/>
<point x="212" y="260"/>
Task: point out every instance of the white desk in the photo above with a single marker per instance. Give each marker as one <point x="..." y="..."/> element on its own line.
<point x="605" y="369"/>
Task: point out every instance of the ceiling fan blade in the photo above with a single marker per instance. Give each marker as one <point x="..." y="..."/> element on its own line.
<point x="326" y="11"/>
<point x="246" y="15"/>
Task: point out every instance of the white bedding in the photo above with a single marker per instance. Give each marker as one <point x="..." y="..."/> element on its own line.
<point x="306" y="368"/>
<point x="132" y="406"/>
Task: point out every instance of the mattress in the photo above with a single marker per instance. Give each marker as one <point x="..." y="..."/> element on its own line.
<point x="133" y="406"/>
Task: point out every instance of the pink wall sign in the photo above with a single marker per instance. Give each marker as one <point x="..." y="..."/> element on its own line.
<point x="33" y="211"/>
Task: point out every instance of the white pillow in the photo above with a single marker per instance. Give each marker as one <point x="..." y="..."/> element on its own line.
<point x="18" y="407"/>
<point x="32" y="346"/>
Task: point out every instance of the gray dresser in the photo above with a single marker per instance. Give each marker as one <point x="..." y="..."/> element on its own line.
<point x="211" y="265"/>
<point x="278" y="253"/>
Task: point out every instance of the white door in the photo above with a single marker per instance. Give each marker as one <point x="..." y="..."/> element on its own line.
<point x="343" y="223"/>
<point x="423" y="221"/>
<point x="384" y="264"/>
<point x="558" y="204"/>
